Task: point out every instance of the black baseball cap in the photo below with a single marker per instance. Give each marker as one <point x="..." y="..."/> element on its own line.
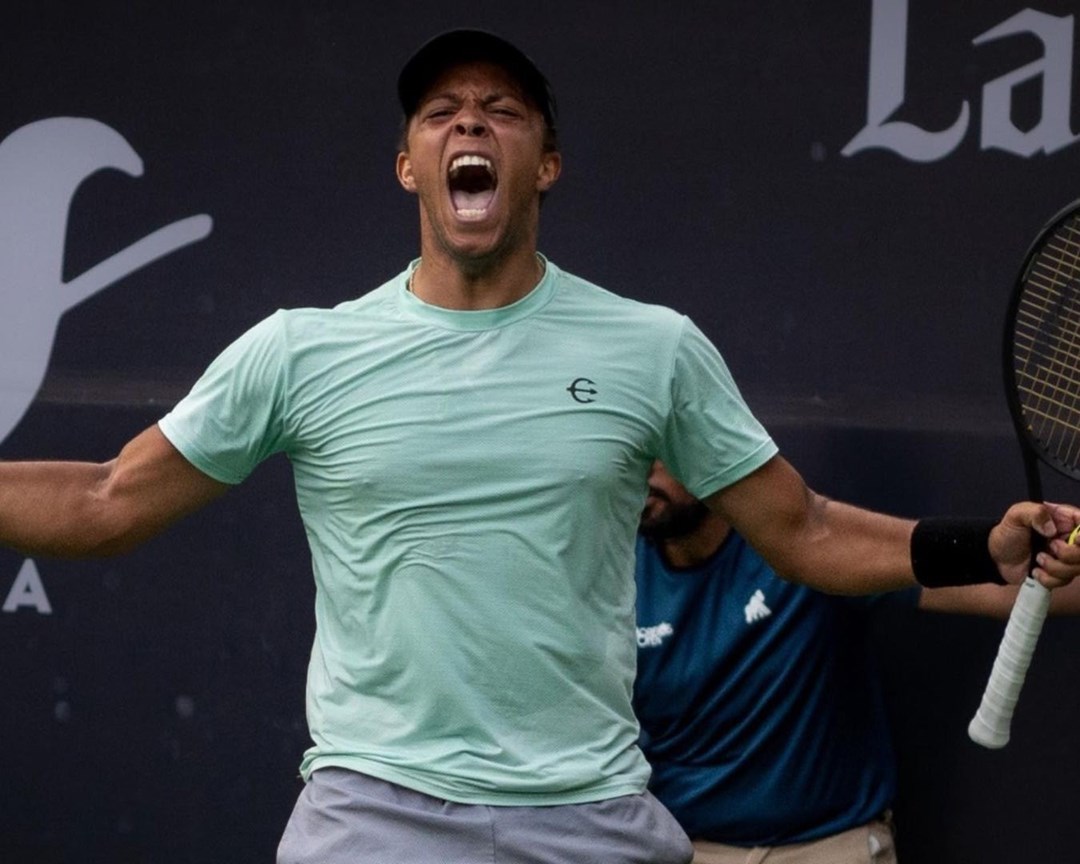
<point x="462" y="46"/>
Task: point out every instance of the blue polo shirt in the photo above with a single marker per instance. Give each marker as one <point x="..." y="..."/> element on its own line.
<point x="761" y="710"/>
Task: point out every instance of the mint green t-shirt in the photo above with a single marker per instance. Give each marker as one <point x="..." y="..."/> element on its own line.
<point x="470" y="484"/>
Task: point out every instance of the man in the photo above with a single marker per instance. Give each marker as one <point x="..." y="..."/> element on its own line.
<point x="761" y="712"/>
<point x="470" y="443"/>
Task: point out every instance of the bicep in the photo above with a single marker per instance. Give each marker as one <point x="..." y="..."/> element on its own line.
<point x="150" y="485"/>
<point x="773" y="509"/>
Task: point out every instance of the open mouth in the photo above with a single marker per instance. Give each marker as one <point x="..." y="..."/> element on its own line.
<point x="472" y="185"/>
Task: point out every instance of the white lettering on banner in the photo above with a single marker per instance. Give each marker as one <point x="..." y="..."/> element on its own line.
<point x="888" y="62"/>
<point x="1052" y="132"/>
<point x="42" y="165"/>
<point x="28" y="591"/>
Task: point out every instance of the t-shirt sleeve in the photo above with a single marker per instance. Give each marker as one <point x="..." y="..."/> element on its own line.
<point x="232" y="418"/>
<point x="712" y="439"/>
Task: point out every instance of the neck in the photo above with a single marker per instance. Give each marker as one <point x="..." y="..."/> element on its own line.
<point x="475" y="285"/>
<point x="699" y="545"/>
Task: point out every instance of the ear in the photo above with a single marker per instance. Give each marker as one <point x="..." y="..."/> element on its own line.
<point x="550" y="169"/>
<point x="405" y="172"/>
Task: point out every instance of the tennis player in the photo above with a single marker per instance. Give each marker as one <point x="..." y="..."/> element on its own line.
<point x="470" y="443"/>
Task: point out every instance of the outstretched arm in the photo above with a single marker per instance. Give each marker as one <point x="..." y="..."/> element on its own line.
<point x="843" y="549"/>
<point x="994" y="601"/>
<point x="83" y="509"/>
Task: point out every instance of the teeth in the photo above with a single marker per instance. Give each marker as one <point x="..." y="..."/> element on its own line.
<point x="462" y="161"/>
<point x="472" y="195"/>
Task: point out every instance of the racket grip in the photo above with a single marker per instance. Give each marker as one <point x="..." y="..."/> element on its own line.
<point x="990" y="725"/>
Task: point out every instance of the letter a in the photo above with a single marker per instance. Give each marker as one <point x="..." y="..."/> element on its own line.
<point x="28" y="590"/>
<point x="1053" y="131"/>
<point x="888" y="67"/>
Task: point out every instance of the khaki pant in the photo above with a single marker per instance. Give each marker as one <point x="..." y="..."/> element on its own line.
<point x="868" y="844"/>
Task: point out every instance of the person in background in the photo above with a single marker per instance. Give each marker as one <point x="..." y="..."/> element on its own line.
<point x="761" y="709"/>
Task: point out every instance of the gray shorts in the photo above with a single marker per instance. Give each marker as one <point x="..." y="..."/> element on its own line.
<point x="343" y="817"/>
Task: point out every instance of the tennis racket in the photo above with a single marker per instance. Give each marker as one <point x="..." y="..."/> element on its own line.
<point x="1042" y="383"/>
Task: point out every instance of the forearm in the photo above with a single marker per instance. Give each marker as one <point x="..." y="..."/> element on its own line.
<point x="54" y="508"/>
<point x="811" y="539"/>
<point x="995" y="601"/>
<point x="843" y="549"/>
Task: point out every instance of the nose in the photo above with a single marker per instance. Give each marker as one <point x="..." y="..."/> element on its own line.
<point x="471" y="128"/>
<point x="469" y="123"/>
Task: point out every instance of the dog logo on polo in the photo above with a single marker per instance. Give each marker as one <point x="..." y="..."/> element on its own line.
<point x="653" y="637"/>
<point x="582" y="389"/>
<point x="42" y="165"/>
<point x="756" y="610"/>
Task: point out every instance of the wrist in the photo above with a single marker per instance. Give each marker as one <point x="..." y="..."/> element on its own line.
<point x="949" y="551"/>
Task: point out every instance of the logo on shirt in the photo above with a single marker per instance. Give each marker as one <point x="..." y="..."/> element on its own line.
<point x="756" y="610"/>
<point x="653" y="637"/>
<point x="582" y="389"/>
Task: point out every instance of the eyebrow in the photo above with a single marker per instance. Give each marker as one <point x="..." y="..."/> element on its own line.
<point x="487" y="100"/>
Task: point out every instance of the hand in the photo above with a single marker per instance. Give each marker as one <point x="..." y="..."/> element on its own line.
<point x="1010" y="543"/>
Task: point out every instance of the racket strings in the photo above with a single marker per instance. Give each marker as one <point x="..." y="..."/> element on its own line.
<point x="1046" y="345"/>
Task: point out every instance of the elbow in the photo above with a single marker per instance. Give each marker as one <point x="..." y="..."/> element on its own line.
<point x="102" y="525"/>
<point x="107" y="544"/>
<point x="95" y="535"/>
<point x="114" y="530"/>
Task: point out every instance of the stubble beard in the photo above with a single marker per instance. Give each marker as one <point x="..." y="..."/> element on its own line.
<point x="678" y="520"/>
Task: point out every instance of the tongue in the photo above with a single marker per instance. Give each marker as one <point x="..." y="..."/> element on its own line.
<point x="472" y="200"/>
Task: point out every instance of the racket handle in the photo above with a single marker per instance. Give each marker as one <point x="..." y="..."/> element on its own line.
<point x="990" y="725"/>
